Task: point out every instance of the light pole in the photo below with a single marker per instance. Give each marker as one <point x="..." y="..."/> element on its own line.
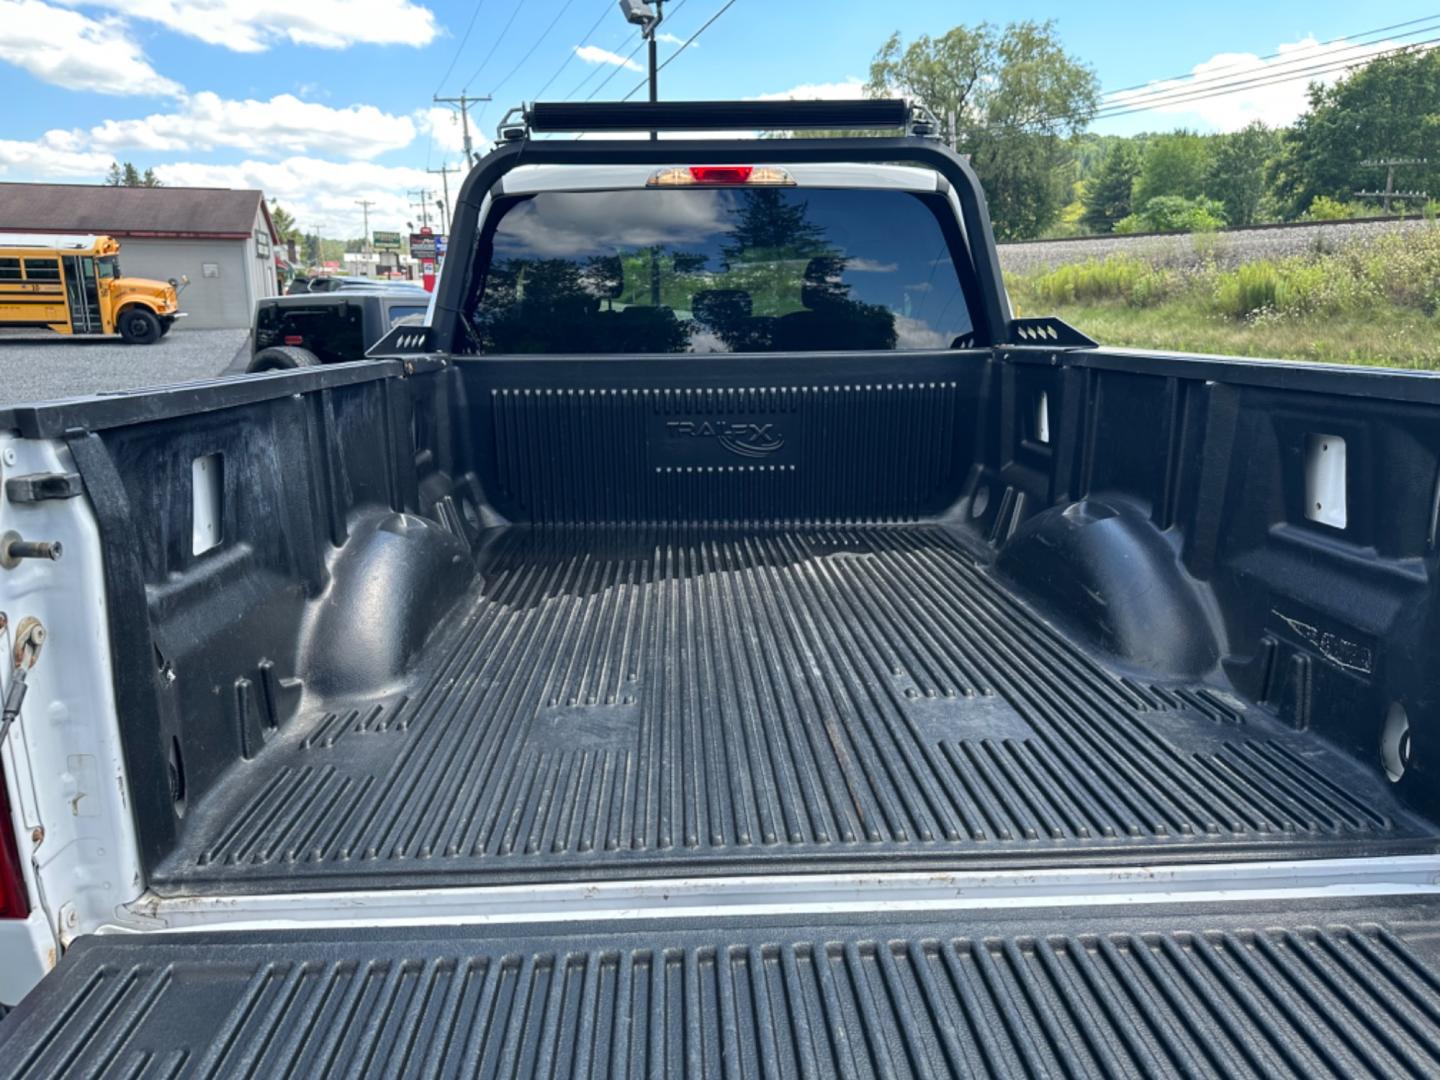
<point x="639" y="13"/>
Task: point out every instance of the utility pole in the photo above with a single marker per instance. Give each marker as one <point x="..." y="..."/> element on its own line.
<point x="464" y="104"/>
<point x="365" y="205"/>
<point x="422" y="199"/>
<point x="444" y="172"/>
<point x="1390" y="165"/>
<point x="639" y="13"/>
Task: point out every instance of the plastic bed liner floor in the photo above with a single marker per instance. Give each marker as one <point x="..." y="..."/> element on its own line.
<point x="1340" y="989"/>
<point x="618" y="702"/>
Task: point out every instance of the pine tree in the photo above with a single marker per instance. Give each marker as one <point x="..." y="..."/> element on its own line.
<point x="1107" y="194"/>
<point x="131" y="176"/>
<point x="113" y="177"/>
<point x="150" y="179"/>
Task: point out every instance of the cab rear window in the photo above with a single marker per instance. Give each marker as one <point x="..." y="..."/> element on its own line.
<point x="722" y="270"/>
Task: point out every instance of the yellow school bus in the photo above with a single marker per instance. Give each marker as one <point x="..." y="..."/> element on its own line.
<point x="73" y="285"/>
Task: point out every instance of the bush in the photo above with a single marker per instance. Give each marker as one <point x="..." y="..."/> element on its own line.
<point x="1171" y="213"/>
<point x="1120" y="277"/>
<point x="1324" y="208"/>
<point x="1289" y="287"/>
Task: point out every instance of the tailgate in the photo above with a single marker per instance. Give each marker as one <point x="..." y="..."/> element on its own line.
<point x="1339" y="988"/>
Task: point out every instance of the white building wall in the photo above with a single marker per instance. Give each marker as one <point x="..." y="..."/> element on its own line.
<point x="220" y="289"/>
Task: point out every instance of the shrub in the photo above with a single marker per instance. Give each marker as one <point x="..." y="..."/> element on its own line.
<point x="1289" y="287"/>
<point x="1120" y="277"/>
<point x="1324" y="208"/>
<point x="1171" y="213"/>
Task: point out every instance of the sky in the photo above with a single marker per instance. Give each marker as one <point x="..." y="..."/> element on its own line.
<point x="321" y="103"/>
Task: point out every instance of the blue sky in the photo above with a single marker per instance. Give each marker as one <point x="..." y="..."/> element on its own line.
<point x="322" y="102"/>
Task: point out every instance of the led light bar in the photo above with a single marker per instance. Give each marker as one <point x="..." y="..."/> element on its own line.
<point x="570" y="116"/>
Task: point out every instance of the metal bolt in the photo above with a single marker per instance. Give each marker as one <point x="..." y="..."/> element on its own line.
<point x="37" y="834"/>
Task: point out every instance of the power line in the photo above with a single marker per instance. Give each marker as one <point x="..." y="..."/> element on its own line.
<point x="569" y="56"/>
<point x="613" y="71"/>
<point x="496" y="43"/>
<point x="531" y="51"/>
<point x="1226" y="89"/>
<point x="461" y="47"/>
<point x="683" y="45"/>
<point x="1318" y="63"/>
<point x="1274" y="55"/>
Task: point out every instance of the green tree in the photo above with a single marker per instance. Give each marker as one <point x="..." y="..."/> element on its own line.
<point x="1019" y="101"/>
<point x="1107" y="194"/>
<point x="1236" y="176"/>
<point x="128" y="175"/>
<point x="1175" y="164"/>
<point x="284" y="223"/>
<point x="1390" y="108"/>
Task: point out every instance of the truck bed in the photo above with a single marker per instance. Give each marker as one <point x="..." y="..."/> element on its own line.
<point x="1339" y="988"/>
<point x="620" y="701"/>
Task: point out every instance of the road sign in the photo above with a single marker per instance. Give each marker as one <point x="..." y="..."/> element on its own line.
<point x="386" y="241"/>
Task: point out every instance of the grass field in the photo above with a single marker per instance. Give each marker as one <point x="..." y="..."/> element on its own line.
<point x="1376" y="303"/>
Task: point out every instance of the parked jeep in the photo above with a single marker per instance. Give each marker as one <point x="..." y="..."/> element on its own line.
<point x="328" y="328"/>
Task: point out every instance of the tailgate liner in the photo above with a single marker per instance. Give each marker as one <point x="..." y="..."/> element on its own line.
<point x="620" y="702"/>
<point x="1348" y="989"/>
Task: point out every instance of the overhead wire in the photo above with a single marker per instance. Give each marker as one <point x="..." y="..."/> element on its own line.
<point x="1181" y="96"/>
<point x="474" y="12"/>
<point x="531" y="51"/>
<point x="1275" y="55"/>
<point x="1315" y="62"/>
<point x="569" y="56"/>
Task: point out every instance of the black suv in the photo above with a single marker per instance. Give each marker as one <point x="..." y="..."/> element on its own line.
<point x="328" y="328"/>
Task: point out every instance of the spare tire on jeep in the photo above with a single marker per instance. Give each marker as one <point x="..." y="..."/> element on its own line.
<point x="282" y="358"/>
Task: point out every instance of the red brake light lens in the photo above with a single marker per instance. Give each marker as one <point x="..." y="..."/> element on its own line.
<point x="294" y="339"/>
<point x="721" y="174"/>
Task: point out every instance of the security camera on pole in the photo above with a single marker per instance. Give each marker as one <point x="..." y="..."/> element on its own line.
<point x="641" y="14"/>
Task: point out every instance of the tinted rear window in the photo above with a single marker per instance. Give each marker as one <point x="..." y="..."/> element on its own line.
<point x="721" y="270"/>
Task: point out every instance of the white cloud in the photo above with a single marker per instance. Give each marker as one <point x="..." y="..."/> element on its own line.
<point x="282" y="125"/>
<point x="852" y="88"/>
<point x="72" y="50"/>
<point x="593" y="54"/>
<point x="1275" y="103"/>
<point x="55" y="155"/>
<point x="255" y="25"/>
<point x="316" y="191"/>
<point x="671" y="39"/>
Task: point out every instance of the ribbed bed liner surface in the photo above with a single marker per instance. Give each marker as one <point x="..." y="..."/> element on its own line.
<point x="612" y="701"/>
<point x="1344" y="989"/>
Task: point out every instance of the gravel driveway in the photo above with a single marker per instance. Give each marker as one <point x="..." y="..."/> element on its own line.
<point x="45" y="368"/>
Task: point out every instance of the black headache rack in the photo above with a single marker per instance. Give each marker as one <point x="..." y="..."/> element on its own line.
<point x="910" y="142"/>
<point x="458" y="286"/>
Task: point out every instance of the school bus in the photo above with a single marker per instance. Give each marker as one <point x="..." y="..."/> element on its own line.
<point x="73" y="285"/>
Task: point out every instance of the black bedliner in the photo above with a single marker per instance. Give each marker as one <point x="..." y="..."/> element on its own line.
<point x="1340" y="989"/>
<point x="633" y="701"/>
